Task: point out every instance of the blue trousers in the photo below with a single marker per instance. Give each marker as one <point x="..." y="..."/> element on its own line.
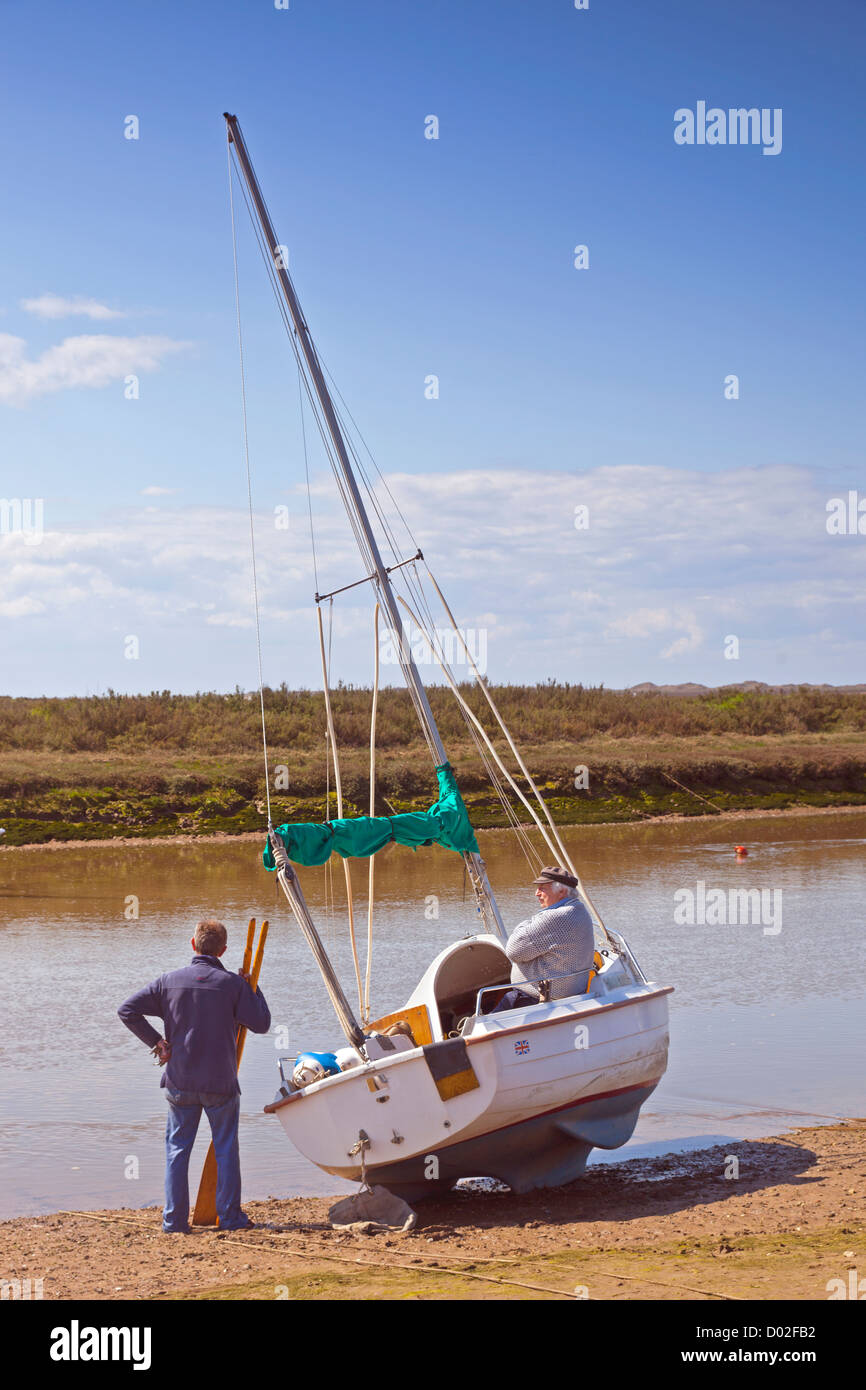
<point x="512" y="1000"/>
<point x="184" y="1113"/>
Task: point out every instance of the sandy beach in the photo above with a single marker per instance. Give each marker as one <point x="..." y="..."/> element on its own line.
<point x="678" y="1227"/>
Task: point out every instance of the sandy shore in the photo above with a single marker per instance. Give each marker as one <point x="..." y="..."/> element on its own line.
<point x="259" y="836"/>
<point x="674" y="1228"/>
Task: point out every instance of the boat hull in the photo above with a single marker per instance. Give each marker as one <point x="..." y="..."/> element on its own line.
<point x="545" y="1151"/>
<point x="547" y="1084"/>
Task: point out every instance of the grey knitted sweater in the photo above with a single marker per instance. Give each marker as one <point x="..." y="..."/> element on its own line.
<point x="558" y="940"/>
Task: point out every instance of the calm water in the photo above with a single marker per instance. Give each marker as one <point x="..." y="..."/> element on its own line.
<point x="766" y="1029"/>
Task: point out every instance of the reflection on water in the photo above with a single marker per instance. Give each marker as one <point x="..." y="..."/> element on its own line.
<point x="766" y="1029"/>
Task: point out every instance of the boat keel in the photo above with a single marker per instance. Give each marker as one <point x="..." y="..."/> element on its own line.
<point x="546" y="1151"/>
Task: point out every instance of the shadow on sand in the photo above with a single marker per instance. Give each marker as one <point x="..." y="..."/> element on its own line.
<point x="642" y="1187"/>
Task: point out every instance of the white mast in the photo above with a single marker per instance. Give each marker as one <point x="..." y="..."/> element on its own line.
<point x="354" y="503"/>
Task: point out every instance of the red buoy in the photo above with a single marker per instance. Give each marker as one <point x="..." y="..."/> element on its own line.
<point x="740" y="851"/>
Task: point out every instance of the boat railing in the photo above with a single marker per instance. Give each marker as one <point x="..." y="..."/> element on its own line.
<point x="627" y="954"/>
<point x="543" y="982"/>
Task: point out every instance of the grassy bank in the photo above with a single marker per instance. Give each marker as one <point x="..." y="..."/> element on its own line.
<point x="161" y="765"/>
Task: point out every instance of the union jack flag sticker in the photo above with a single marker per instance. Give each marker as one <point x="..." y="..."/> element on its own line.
<point x="521" y="1047"/>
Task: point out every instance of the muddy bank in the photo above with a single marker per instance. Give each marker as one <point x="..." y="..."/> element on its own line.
<point x="777" y="1218"/>
<point x="258" y="836"/>
<point x="67" y="796"/>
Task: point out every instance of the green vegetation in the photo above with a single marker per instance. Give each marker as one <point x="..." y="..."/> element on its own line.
<point x="212" y="723"/>
<point x="789" y="1264"/>
<point x="163" y="764"/>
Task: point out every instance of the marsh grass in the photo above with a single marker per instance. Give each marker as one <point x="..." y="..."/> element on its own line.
<point x="163" y="764"/>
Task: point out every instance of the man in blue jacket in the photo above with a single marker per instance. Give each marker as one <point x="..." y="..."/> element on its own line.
<point x="202" y="1006"/>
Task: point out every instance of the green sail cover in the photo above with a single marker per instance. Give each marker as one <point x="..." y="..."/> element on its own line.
<point x="446" y="823"/>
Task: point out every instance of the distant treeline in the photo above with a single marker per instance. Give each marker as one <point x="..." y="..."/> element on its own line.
<point x="214" y="723"/>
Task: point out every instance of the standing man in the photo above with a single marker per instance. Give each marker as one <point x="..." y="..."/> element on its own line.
<point x="556" y="942"/>
<point x="201" y="1005"/>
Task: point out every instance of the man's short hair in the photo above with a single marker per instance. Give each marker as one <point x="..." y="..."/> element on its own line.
<point x="210" y="938"/>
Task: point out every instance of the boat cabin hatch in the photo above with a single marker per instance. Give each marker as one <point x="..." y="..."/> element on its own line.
<point x="450" y="985"/>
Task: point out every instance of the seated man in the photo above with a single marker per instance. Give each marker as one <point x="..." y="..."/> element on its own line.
<point x="557" y="941"/>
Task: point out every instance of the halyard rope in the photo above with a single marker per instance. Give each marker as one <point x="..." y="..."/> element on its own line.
<point x="339" y="787"/>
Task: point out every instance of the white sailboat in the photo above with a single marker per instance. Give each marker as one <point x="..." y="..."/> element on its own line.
<point x="522" y="1095"/>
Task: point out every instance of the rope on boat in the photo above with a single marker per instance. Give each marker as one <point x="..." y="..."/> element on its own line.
<point x="554" y="848"/>
<point x="528" y="848"/>
<point x="501" y="722"/>
<point x="288" y="881"/>
<point x="565" y="856"/>
<point x="339" y="787"/>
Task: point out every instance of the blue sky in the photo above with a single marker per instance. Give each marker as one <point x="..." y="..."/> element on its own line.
<point x="559" y="387"/>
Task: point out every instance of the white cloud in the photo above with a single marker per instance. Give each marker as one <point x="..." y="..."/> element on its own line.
<point x="647" y="622"/>
<point x="673" y="561"/>
<point x="23" y="607"/>
<point x="228" y="620"/>
<point x="55" y="306"/>
<point x="91" y="360"/>
<point x="156" y="491"/>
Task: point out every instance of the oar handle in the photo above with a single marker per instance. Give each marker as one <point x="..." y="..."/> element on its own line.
<point x="254" y="980"/>
<point x="257" y="963"/>
<point x="248" y="952"/>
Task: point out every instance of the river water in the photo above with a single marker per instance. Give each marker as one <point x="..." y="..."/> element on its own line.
<point x="766" y="1019"/>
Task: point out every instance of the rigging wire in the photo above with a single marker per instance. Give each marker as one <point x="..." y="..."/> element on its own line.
<point x="249" y="484"/>
<point x="371" y="876"/>
<point x="559" y="849"/>
<point x="381" y="475"/>
<point x="552" y="847"/>
<point x="556" y="848"/>
<point x="531" y="854"/>
<point x="502" y="725"/>
<point x="307" y="476"/>
<point x="339" y="786"/>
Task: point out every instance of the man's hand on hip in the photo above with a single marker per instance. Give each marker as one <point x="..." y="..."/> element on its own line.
<point x="162" y="1052"/>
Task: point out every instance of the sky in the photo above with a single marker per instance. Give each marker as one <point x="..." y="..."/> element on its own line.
<point x="625" y="475"/>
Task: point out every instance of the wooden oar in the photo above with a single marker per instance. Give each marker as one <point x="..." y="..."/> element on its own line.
<point x="204" y="1213"/>
<point x="254" y="980"/>
<point x="248" y="949"/>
